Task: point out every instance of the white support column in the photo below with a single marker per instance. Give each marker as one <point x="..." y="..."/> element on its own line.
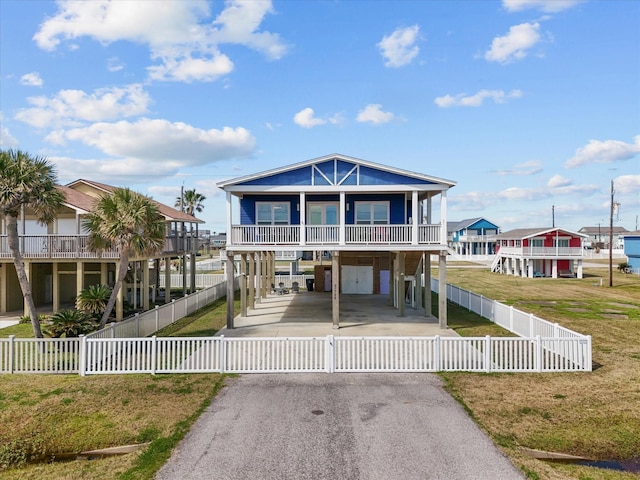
<point x="443" y="218"/>
<point x="55" y="293"/>
<point x="303" y="218"/>
<point x="259" y="278"/>
<point x="229" y="212"/>
<point x="401" y="284"/>
<point x="554" y="268"/>
<point x="415" y="221"/>
<point x="343" y="209"/>
<point x="79" y="277"/>
<point x="579" y="268"/>
<point x="427" y="284"/>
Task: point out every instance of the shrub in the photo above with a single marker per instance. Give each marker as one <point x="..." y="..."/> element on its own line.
<point x="70" y="323"/>
<point x="93" y="300"/>
<point x="27" y="319"/>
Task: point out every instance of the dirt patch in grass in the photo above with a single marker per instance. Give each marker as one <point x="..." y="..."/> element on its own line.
<point x="594" y="415"/>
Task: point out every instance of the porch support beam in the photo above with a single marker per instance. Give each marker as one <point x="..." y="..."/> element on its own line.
<point x="335" y="289"/>
<point x="55" y="287"/>
<point x="252" y="281"/>
<point x="303" y="218"/>
<point x="79" y="277"/>
<point x="243" y="285"/>
<point x="192" y="271"/>
<point x="145" y="284"/>
<point x="401" y="285"/>
<point x="230" y="289"/>
<point x="259" y="278"/>
<point x="442" y="290"/>
<point x="418" y="285"/>
<point x="120" y="296"/>
<point x="3" y="290"/>
<point x="343" y="228"/>
<point x="426" y="268"/>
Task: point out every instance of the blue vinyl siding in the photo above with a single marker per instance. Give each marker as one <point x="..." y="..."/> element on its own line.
<point x="370" y="176"/>
<point x="248" y="207"/>
<point x="632" y="246"/>
<point x="300" y="176"/>
<point x="483" y="226"/>
<point x="396" y="206"/>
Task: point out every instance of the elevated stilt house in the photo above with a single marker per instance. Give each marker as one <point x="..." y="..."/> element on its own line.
<point x="374" y="222"/>
<point x="59" y="264"/>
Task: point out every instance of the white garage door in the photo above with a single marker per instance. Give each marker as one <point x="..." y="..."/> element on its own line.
<point x="357" y="279"/>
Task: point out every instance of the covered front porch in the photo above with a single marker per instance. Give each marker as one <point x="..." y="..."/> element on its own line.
<point x="392" y="276"/>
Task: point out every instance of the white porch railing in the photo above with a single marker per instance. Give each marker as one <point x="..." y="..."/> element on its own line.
<point x="577" y="252"/>
<point x="76" y="246"/>
<point x="330" y="235"/>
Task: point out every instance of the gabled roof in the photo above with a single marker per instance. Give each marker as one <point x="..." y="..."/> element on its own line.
<point x="77" y="200"/>
<point x="345" y="163"/>
<point x="520" y="233"/>
<point x="602" y="230"/>
<point x="466" y="223"/>
<point x="168" y="212"/>
<point x="632" y="234"/>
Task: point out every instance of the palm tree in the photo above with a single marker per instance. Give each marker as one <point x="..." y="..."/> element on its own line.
<point x="93" y="300"/>
<point x="26" y="181"/>
<point x="130" y="222"/>
<point x="191" y="201"/>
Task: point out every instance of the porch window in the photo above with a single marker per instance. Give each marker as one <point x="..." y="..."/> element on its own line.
<point x="537" y="242"/>
<point x="561" y="242"/>
<point x="372" y="213"/>
<point x="272" y="213"/>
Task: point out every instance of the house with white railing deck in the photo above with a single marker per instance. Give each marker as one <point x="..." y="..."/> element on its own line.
<point x="376" y="222"/>
<point x="472" y="237"/>
<point x="59" y="263"/>
<point x="539" y="252"/>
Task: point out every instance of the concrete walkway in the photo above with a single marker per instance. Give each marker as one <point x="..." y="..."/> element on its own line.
<point x="328" y="427"/>
<point x="308" y="314"/>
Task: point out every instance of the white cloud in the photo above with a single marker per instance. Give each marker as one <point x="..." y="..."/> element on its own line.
<point x="6" y="139"/>
<point x="180" y="35"/>
<point x="31" y="79"/>
<point x="463" y="100"/>
<point x="558" y="181"/>
<point x="549" y="6"/>
<point x="306" y="119"/>
<point x="526" y="168"/>
<point x="114" y="64"/>
<point x="166" y="145"/>
<point x="514" y="45"/>
<point x="627" y="184"/>
<point x="70" y="107"/>
<point x="399" y="49"/>
<point x="607" y="151"/>
<point x="164" y="191"/>
<point x="373" y="113"/>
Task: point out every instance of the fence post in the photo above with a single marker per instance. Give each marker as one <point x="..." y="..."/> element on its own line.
<point x="468" y="300"/>
<point x="556" y="327"/>
<point x="481" y="305"/>
<point x="538" y="354"/>
<point x="82" y="357"/>
<point x="437" y="354"/>
<point x="173" y="310"/>
<point x="531" y="325"/>
<point x="12" y="345"/>
<point x="137" y="316"/>
<point x="329" y="354"/>
<point x="222" y="352"/>
<point x="589" y="365"/>
<point x="487" y="354"/>
<point x="154" y="346"/>
<point x="113" y="330"/>
<point x="157" y="314"/>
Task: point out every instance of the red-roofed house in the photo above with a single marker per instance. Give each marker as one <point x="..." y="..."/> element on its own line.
<point x="539" y="252"/>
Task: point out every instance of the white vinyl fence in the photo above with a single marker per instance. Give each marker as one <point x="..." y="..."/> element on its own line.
<point x="541" y="347"/>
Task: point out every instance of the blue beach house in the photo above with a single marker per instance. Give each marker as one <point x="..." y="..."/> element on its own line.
<point x="472" y="236"/>
<point x="375" y="223"/>
<point x="632" y="250"/>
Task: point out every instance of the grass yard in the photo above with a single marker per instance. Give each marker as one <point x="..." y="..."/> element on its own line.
<point x="44" y="416"/>
<point x="594" y="415"/>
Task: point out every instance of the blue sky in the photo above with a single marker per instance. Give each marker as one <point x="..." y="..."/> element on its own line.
<point x="526" y="104"/>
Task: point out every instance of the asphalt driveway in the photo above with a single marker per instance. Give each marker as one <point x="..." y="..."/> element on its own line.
<point x="336" y="426"/>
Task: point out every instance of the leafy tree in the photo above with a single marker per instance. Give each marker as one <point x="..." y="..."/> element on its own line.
<point x="93" y="300"/>
<point x="191" y="201"/>
<point x="129" y="222"/>
<point x="70" y="323"/>
<point x="29" y="182"/>
<point x="624" y="267"/>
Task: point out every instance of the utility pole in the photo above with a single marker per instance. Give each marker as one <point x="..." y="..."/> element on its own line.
<point x="611" y="239"/>
<point x="553" y="216"/>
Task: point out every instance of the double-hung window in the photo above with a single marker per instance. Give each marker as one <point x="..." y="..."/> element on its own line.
<point x="561" y="242"/>
<point x="272" y="213"/>
<point x="372" y="213"/>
